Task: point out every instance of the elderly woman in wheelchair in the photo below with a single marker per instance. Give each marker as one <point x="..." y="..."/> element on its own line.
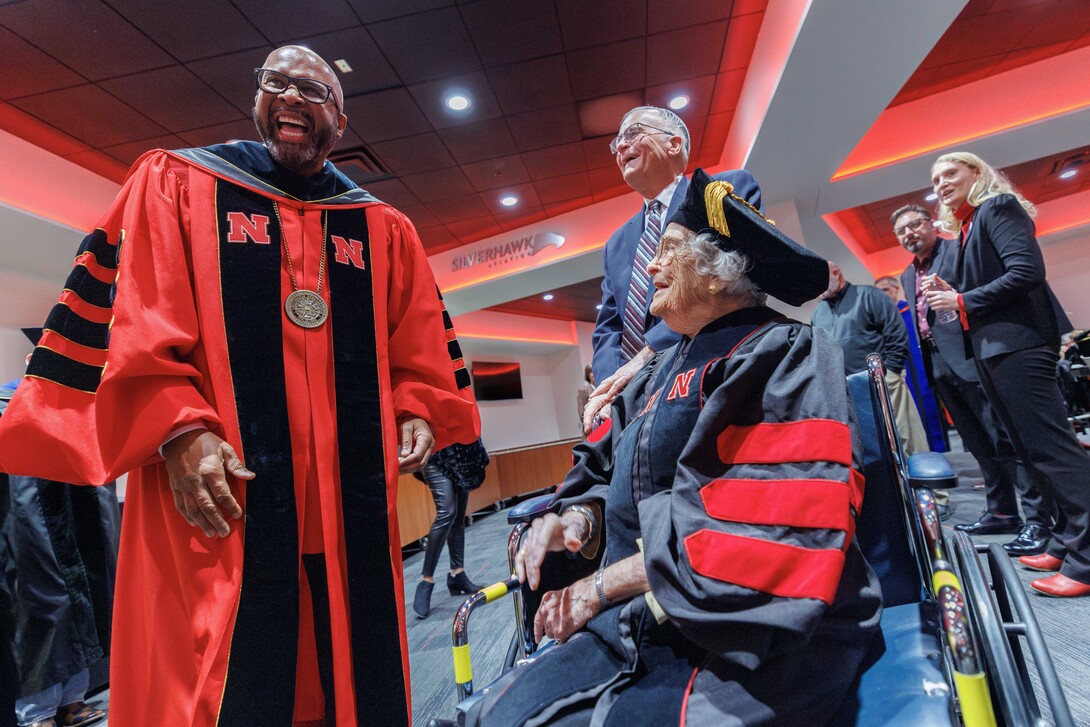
<point x="721" y="497"/>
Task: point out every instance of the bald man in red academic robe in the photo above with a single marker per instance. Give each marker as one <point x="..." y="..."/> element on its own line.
<point x="262" y="344"/>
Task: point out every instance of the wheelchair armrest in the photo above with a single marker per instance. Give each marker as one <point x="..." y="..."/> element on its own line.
<point x="530" y="509"/>
<point x="931" y="469"/>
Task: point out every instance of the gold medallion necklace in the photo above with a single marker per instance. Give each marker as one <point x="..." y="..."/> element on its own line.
<point x="305" y="308"/>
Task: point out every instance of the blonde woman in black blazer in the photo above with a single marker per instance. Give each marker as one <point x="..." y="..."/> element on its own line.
<point x="1011" y="324"/>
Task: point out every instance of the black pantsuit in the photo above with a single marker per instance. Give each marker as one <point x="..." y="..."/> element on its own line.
<point x="1013" y="326"/>
<point x="1027" y="398"/>
<point x="953" y="373"/>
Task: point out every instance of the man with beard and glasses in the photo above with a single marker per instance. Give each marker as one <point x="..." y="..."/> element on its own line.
<point x="263" y="345"/>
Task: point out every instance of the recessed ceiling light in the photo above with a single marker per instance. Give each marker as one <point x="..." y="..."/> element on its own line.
<point x="342" y="65"/>
<point x="678" y="102"/>
<point x="931" y="197"/>
<point x="457" y="102"/>
<point x="1069" y="174"/>
<point x="598" y="307"/>
<point x="509" y="201"/>
<point x="547" y="296"/>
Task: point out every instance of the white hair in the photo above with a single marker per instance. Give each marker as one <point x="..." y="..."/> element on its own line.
<point x="729" y="268"/>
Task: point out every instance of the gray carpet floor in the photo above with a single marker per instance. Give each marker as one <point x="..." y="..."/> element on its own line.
<point x="1065" y="622"/>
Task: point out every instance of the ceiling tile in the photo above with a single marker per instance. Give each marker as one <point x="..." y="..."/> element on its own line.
<point x="457" y="209"/>
<point x="527" y="201"/>
<point x="28" y="70"/>
<point x="412" y="154"/>
<point x="436" y="239"/>
<point x="393" y="192"/>
<point x="528" y="217"/>
<point x="427" y="46"/>
<point x="286" y="21"/>
<point x="90" y="114"/>
<point x="606" y="183"/>
<point x="741" y="39"/>
<point x="439" y="185"/>
<point x="569" y="186"/>
<point x="728" y="89"/>
<point x="476" y="229"/>
<point x="174" y="98"/>
<point x="370" y="71"/>
<point x="585" y="24"/>
<point x="596" y="152"/>
<point x="232" y="75"/>
<point x="506" y="32"/>
<point x="417" y="213"/>
<point x="602" y="116"/>
<point x="431" y="98"/>
<point x="479" y="141"/>
<point x="370" y="11"/>
<point x="670" y="15"/>
<point x="221" y="133"/>
<point x="349" y="140"/>
<point x="496" y="173"/>
<point x="699" y="90"/>
<point x="537" y="129"/>
<point x="92" y="40"/>
<point x="129" y="153"/>
<point x="607" y="69"/>
<point x="568" y="205"/>
<point x="550" y="85"/>
<point x="685" y="53"/>
<point x="192" y="29"/>
<point x="745" y="7"/>
<point x="383" y="115"/>
<point x="1025" y="56"/>
<point x="555" y="161"/>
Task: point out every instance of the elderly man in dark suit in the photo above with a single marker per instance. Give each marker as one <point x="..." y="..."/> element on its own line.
<point x="955" y="376"/>
<point x="652" y="151"/>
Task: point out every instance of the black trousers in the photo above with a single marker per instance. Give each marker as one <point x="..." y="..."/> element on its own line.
<point x="450" y="520"/>
<point x="986" y="439"/>
<point x="1022" y="388"/>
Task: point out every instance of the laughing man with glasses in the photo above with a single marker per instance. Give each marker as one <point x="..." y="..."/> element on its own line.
<point x="651" y="150"/>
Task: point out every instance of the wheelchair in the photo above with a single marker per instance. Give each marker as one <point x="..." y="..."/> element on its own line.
<point x="952" y="628"/>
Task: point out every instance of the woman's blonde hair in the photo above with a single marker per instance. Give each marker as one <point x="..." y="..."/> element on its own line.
<point x="990" y="183"/>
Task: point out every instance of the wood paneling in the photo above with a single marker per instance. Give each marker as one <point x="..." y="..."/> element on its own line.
<point x="510" y="474"/>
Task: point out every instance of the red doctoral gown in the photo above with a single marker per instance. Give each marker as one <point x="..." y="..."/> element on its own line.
<point x="173" y="316"/>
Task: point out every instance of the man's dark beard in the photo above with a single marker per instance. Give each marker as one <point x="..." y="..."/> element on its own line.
<point x="298" y="158"/>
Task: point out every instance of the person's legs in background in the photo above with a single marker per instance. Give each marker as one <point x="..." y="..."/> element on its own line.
<point x="447" y="501"/>
<point x="1022" y="388"/>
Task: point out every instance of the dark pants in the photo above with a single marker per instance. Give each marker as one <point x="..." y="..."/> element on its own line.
<point x="1022" y="388"/>
<point x="987" y="440"/>
<point x="450" y="520"/>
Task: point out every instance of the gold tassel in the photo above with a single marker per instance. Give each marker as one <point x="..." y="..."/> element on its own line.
<point x="714" y="194"/>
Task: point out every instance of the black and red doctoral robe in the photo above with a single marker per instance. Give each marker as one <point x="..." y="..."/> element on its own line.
<point x="173" y="317"/>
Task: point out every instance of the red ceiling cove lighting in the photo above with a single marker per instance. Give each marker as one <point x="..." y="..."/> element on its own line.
<point x="1017" y="98"/>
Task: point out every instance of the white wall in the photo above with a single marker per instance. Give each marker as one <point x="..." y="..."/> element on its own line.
<point x="1069" y="273"/>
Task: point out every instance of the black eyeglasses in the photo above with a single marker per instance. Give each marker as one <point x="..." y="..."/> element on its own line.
<point x="271" y="81"/>
<point x="633" y="132"/>
<point x="914" y="225"/>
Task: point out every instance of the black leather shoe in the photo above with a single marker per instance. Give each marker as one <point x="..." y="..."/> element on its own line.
<point x="989" y="524"/>
<point x="1031" y="541"/>
<point x="422" y="599"/>
<point x="460" y="585"/>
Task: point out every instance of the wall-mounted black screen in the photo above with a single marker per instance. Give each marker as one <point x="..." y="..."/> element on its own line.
<point x="496" y="380"/>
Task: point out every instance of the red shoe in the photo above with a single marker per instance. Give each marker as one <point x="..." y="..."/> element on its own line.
<point x="1060" y="586"/>
<point x="1042" y="562"/>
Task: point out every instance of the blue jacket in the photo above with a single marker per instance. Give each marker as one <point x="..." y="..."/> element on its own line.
<point x="620" y="252"/>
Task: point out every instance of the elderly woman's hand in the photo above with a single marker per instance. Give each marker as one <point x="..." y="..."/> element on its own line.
<point x="564" y="612"/>
<point x="548" y="534"/>
<point x="604" y="394"/>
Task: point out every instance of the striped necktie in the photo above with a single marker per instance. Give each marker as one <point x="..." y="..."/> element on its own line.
<point x="635" y="310"/>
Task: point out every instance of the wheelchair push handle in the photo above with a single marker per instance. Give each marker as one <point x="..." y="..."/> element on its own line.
<point x="463" y="666"/>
